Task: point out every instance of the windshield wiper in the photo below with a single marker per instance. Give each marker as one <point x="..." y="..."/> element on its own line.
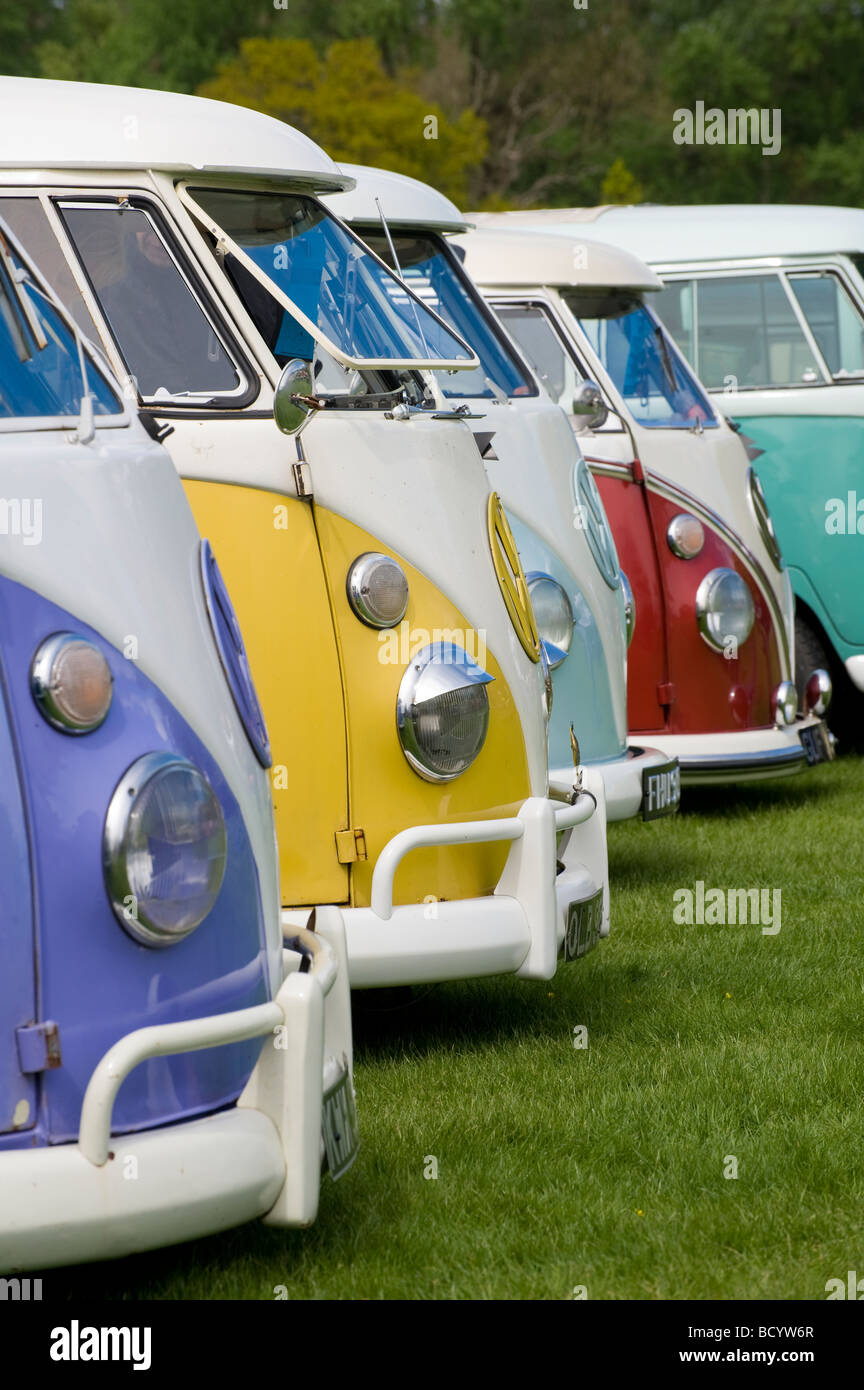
<point x="666" y="359"/>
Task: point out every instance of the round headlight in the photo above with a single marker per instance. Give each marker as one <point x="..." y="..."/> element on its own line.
<point x="553" y="612"/>
<point x="785" y="703"/>
<point x="762" y="516"/>
<point x="71" y="683"/>
<point x="724" y="608"/>
<point x="442" y="711"/>
<point x="377" y="590"/>
<point x="685" y="536"/>
<point x="629" y="608"/>
<point x="163" y="849"/>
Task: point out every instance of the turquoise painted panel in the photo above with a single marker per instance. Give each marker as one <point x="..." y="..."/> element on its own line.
<point x="813" y="475"/>
<point x="581" y="690"/>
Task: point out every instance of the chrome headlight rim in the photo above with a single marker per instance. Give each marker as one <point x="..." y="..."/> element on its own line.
<point x="124" y="799"/>
<point x="629" y="608"/>
<point x="762" y="516"/>
<point x="704" y="613"/>
<point x="450" y="668"/>
<point x="43" y="686"/>
<point x="556" y="654"/>
<point x="357" y="589"/>
<point x="676" y="538"/>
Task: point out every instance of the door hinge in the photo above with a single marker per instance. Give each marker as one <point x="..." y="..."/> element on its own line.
<point x="350" y="845"/>
<point x="666" y="693"/>
<point x="38" y="1047"/>
<point x="302" y="478"/>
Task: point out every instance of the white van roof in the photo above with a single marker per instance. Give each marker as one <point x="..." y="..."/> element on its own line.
<point x="667" y="235"/>
<point x="496" y="256"/>
<point x="406" y="201"/>
<point x="85" y="125"/>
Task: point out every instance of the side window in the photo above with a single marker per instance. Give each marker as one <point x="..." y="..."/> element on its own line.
<point x="834" y="320"/>
<point x="536" y="336"/>
<point x="169" y="343"/>
<point x="29" y="221"/>
<point x="674" y="305"/>
<point x="749" y="335"/>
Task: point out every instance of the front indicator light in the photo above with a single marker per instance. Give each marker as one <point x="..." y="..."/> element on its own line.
<point x="553" y="613"/>
<point x="685" y="536"/>
<point x="724" y="609"/>
<point x="163" y="849"/>
<point x="377" y="590"/>
<point x="818" y="691"/>
<point x="785" y="703"/>
<point x="71" y="683"/>
<point x="442" y="711"/>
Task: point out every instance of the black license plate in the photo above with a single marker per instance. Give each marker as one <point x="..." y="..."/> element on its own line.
<point x="584" y="921"/>
<point x="661" y="790"/>
<point x="817" y="746"/>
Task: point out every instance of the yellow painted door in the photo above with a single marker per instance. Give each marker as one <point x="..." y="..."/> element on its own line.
<point x="268" y="552"/>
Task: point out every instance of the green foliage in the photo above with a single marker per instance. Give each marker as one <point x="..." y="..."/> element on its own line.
<point x="537" y="101"/>
<point x="350" y="105"/>
<point x="619" y="185"/>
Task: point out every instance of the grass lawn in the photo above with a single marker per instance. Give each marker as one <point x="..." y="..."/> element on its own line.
<point x="603" y="1166"/>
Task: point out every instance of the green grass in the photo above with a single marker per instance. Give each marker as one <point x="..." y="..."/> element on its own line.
<point x="603" y="1167"/>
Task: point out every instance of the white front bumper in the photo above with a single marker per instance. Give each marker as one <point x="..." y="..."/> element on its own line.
<point x="622" y="779"/>
<point x="109" y="1196"/>
<point x="750" y="755"/>
<point x="518" y="929"/>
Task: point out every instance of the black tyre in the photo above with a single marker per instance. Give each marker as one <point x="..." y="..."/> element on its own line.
<point x="845" y="715"/>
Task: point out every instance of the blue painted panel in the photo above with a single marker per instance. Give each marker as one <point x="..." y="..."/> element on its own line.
<point x="581" y="691"/>
<point x="95" y="981"/>
<point x="17" y="983"/>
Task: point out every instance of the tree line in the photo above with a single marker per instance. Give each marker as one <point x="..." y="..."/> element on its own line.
<point x="501" y="103"/>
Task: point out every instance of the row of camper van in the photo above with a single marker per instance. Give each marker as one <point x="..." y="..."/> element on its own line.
<point x="425" y="596"/>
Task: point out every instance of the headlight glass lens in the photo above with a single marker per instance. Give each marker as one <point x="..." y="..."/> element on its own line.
<point x="554" y="614"/>
<point x="71" y="683"/>
<point x="724" y="608"/>
<point x="164" y="849"/>
<point x="377" y="590"/>
<point x="442" y="712"/>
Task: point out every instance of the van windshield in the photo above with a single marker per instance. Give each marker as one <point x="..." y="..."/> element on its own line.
<point x="639" y="356"/>
<point x="430" y="268"/>
<point x="40" y="369"/>
<point x="329" y="289"/>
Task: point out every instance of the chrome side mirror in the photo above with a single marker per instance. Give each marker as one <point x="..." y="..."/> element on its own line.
<point x="294" y="396"/>
<point x="589" y="409"/>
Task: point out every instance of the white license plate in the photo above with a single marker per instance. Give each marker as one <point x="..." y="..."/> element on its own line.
<point x="339" y="1121"/>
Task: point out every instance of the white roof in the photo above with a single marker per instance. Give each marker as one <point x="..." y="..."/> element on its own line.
<point x="720" y="231"/>
<point x="406" y="201"/>
<point x="77" y="125"/>
<point x="496" y="256"/>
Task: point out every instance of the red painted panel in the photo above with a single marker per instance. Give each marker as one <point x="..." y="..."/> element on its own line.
<point x="629" y="518"/>
<point x="713" y="694"/>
